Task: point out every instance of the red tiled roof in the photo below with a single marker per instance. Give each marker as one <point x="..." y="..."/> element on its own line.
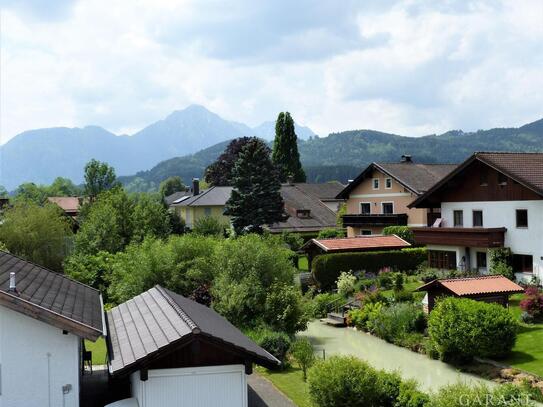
<point x="375" y="242"/>
<point x="67" y="203"/>
<point x="477" y="285"/>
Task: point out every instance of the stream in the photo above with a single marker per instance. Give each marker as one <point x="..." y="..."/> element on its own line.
<point x="430" y="374"/>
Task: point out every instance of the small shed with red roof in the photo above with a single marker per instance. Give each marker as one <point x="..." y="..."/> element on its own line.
<point x="314" y="247"/>
<point x="496" y="289"/>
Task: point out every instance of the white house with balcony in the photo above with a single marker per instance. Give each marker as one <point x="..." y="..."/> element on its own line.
<point x="492" y="200"/>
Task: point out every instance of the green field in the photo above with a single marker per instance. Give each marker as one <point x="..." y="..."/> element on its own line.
<point x="98" y="350"/>
<point x="290" y="382"/>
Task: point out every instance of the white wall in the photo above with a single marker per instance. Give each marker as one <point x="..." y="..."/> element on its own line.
<point x="210" y="386"/>
<point x="503" y="214"/>
<point x="36" y="360"/>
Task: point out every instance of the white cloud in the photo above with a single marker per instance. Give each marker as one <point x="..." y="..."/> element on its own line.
<point x="409" y="67"/>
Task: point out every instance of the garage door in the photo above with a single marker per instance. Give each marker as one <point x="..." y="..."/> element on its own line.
<point x="223" y="386"/>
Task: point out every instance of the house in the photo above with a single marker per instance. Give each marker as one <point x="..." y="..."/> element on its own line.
<point x="44" y="316"/>
<point x="69" y="204"/>
<point x="380" y="196"/>
<point x="326" y="192"/>
<point x="177" y="352"/>
<point x="496" y="289"/>
<point x="492" y="200"/>
<point x="314" y="247"/>
<point x="309" y="210"/>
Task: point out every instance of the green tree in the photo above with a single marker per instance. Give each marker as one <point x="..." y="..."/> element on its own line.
<point x="3" y="192"/>
<point x="210" y="226"/>
<point x="150" y="218"/>
<point x="30" y="192"/>
<point x="99" y="177"/>
<point x="90" y="269"/>
<point x="302" y="352"/>
<point x="40" y="234"/>
<point x="256" y="199"/>
<point x="219" y="173"/>
<point x="285" y="149"/>
<point x="63" y="187"/>
<point x="171" y="185"/>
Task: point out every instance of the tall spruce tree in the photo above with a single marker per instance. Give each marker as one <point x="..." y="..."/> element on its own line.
<point x="285" y="149"/>
<point x="256" y="198"/>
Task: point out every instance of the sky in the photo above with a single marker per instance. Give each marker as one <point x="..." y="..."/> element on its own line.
<point x="407" y="67"/>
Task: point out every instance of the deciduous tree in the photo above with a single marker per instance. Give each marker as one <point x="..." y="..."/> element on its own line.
<point x="99" y="177"/>
<point x="220" y="172"/>
<point x="171" y="185"/>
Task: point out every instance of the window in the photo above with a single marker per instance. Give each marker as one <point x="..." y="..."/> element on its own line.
<point x="365" y="232"/>
<point x="303" y="213"/>
<point x="376" y="183"/>
<point x="458" y="218"/>
<point x="481" y="260"/>
<point x="442" y="259"/>
<point x="387" y="208"/>
<point x="365" y="208"/>
<point x="522" y="218"/>
<point x="502" y="179"/>
<point x="477" y="219"/>
<point x="523" y="263"/>
<point x="483" y="177"/>
<point x="207" y="211"/>
<point x="388" y="183"/>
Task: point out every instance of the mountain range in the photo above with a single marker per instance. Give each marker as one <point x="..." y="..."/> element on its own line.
<point x="341" y="156"/>
<point x="41" y="155"/>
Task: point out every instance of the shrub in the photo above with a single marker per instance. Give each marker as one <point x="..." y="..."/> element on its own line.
<point x="202" y="295"/>
<point x="359" y="317"/>
<point x="532" y="302"/>
<point x="331" y="233"/>
<point x="345" y="283"/>
<point x="326" y="268"/>
<point x="320" y="304"/>
<point x="275" y="342"/>
<point x="385" y="279"/>
<point x="293" y="240"/>
<point x="398" y="282"/>
<point x="283" y="310"/>
<point x="371" y="297"/>
<point x="396" y="321"/>
<point x="303" y="354"/>
<point x="527" y="318"/>
<point x="210" y="226"/>
<point x="463" y="328"/>
<point x="402" y="232"/>
<point x="410" y="396"/>
<point x="461" y="395"/>
<point x="503" y="270"/>
<point x="403" y="296"/>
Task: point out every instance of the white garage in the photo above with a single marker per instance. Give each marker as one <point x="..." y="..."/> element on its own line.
<point x="178" y="353"/>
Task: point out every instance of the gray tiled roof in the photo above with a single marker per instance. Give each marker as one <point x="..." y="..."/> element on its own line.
<point x="159" y="318"/>
<point x="418" y="177"/>
<point x="214" y="196"/>
<point x="170" y="199"/>
<point x="62" y="299"/>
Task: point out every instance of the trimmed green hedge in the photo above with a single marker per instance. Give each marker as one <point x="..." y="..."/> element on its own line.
<point x="326" y="268"/>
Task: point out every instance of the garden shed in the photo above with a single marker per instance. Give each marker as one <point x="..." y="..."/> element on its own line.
<point x="177" y="352"/>
<point x="495" y="289"/>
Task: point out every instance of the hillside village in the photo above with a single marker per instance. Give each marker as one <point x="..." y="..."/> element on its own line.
<point x="235" y="288"/>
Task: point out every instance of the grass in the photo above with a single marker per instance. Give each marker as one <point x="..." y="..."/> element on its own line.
<point x="98" y="350"/>
<point x="290" y="382"/>
<point x="527" y="353"/>
<point x="303" y="263"/>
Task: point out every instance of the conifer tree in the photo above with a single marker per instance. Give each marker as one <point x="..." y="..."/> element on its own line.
<point x="285" y="150"/>
<point x="256" y="198"/>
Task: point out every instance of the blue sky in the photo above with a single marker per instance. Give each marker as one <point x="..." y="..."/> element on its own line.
<point x="408" y="67"/>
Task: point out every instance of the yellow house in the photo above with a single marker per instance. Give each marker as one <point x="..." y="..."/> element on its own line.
<point x="209" y="202"/>
<point x="380" y="196"/>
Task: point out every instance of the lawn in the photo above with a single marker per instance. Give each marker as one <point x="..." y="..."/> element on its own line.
<point x="290" y="382"/>
<point x="98" y="350"/>
<point x="303" y="263"/>
<point x="528" y="351"/>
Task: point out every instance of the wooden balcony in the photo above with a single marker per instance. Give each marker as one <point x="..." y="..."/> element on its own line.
<point x="358" y="220"/>
<point x="467" y="237"/>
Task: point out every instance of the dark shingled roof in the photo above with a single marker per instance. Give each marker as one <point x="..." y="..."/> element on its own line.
<point x="320" y="216"/>
<point x="170" y="199"/>
<point x="159" y="318"/>
<point x="525" y="168"/>
<point x="325" y="192"/>
<point x="214" y="196"/>
<point x="51" y="297"/>
<point x="418" y="178"/>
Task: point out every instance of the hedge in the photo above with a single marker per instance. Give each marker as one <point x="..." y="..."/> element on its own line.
<point x="326" y="268"/>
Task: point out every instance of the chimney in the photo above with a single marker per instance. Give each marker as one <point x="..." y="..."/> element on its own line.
<point x="406" y="158"/>
<point x="195" y="186"/>
<point x="12" y="283"/>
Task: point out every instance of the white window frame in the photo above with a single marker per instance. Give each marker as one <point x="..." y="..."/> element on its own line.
<point x="386" y="181"/>
<point x="388" y="202"/>
<point x="360" y="207"/>
<point x="373" y="184"/>
<point x="360" y="233"/>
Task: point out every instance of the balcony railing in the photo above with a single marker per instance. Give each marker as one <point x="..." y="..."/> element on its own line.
<point x="358" y="220"/>
<point x="467" y="237"/>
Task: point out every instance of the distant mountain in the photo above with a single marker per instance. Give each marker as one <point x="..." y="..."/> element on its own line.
<point x="266" y="131"/>
<point x="42" y="155"/>
<point x="341" y="156"/>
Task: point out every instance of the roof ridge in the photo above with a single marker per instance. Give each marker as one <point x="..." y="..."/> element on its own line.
<point x="184" y="316"/>
<point x="50" y="271"/>
<point x="474" y="278"/>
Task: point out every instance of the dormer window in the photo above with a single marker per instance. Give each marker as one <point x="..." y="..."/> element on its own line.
<point x="303" y="213"/>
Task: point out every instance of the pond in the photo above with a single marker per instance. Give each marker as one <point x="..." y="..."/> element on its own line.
<point x="430" y="374"/>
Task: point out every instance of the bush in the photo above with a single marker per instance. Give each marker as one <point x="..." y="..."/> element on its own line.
<point x="396" y="321"/>
<point x="532" y="302"/>
<point x="403" y="296"/>
<point x="331" y="233"/>
<point x="461" y="329"/>
<point x="462" y="395"/>
<point x="503" y="270"/>
<point x="359" y="317"/>
<point x="293" y="240"/>
<point x="385" y="280"/>
<point x="410" y="396"/>
<point x="346" y="283"/>
<point x="210" y="226"/>
<point x="402" y="232"/>
<point x="371" y="297"/>
<point x="320" y="303"/>
<point x="527" y="318"/>
<point x="276" y="343"/>
<point x="284" y="310"/>
<point x="303" y="354"/>
<point x="326" y="268"/>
